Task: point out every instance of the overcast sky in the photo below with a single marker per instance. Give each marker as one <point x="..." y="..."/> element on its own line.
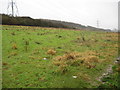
<point x="85" y="12"/>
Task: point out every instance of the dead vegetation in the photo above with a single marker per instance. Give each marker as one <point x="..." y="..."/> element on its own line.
<point x="23" y="62"/>
<point x="80" y="39"/>
<point x="34" y="58"/>
<point x="13" y="33"/>
<point x="51" y="52"/>
<point x="36" y="51"/>
<point x="90" y="59"/>
<point x="63" y="68"/>
<point x="84" y="42"/>
<point x="68" y="56"/>
<point x="14" y="46"/>
<point x="42" y="79"/>
<point x="118" y="69"/>
<point x="37" y="42"/>
<point x="83" y="76"/>
<point x="87" y="59"/>
<point x="26" y="45"/>
<point x="12" y="54"/>
<point x="4" y="64"/>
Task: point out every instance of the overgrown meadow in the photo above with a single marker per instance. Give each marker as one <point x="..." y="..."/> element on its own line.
<point x="35" y="57"/>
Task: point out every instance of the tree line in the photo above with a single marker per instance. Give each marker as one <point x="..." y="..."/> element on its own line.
<point x="28" y="21"/>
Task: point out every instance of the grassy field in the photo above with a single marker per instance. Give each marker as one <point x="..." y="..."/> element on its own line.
<point x="35" y="57"/>
<point x="0" y="57"/>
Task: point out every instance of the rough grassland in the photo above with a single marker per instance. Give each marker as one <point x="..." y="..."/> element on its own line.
<point x="35" y="57"/>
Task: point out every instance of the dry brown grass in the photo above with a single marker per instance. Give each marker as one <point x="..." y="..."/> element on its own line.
<point x="36" y="51"/>
<point x="31" y="57"/>
<point x="72" y="55"/>
<point x="12" y="54"/>
<point x="68" y="56"/>
<point x="91" y="59"/>
<point x="51" y="52"/>
<point x="42" y="79"/>
<point x="4" y="63"/>
<point x="59" y="58"/>
<point x="13" y="33"/>
<point x="118" y="69"/>
<point x="14" y="46"/>
<point x="116" y="45"/>
<point x="89" y="65"/>
<point x="83" y="76"/>
<point x="87" y="53"/>
<point x="88" y="59"/>
<point x="34" y="58"/>
<point x="62" y="68"/>
<point x="58" y="63"/>
<point x="78" y="38"/>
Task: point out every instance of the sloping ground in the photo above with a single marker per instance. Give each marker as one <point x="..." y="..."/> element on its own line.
<point x="35" y="57"/>
<point x="28" y="21"/>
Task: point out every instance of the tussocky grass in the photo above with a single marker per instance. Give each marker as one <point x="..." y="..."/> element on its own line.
<point x="24" y="49"/>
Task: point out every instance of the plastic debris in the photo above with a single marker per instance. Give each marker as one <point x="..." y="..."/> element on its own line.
<point x="74" y="76"/>
<point x="44" y="58"/>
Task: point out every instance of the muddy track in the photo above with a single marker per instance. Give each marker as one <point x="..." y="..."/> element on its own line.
<point x="107" y="72"/>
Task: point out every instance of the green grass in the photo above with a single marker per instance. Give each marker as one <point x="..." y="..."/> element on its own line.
<point x="25" y="67"/>
<point x="113" y="80"/>
<point x="0" y="57"/>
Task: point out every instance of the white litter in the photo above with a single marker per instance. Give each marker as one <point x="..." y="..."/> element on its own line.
<point x="44" y="58"/>
<point x="74" y="76"/>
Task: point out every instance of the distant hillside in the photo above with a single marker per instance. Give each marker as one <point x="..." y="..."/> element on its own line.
<point x="28" y="21"/>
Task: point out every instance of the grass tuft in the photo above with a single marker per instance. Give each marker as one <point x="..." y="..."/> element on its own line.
<point x="4" y="63"/>
<point x="14" y="46"/>
<point x="51" y="52"/>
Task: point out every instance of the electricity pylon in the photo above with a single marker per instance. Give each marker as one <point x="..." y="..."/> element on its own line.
<point x="12" y="9"/>
<point x="97" y="23"/>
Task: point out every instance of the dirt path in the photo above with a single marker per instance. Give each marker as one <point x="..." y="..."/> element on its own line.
<point x="107" y="72"/>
